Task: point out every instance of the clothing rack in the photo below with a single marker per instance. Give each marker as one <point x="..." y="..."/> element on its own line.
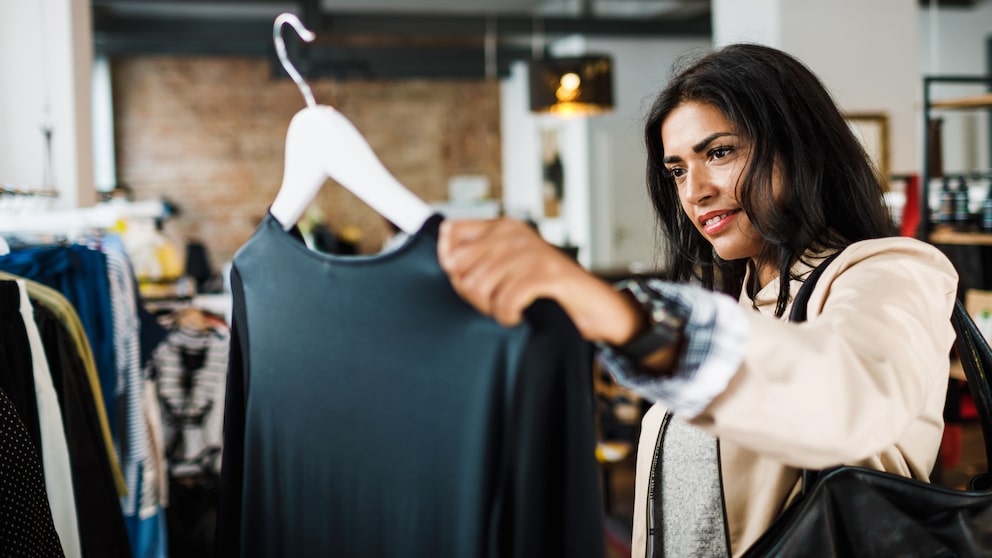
<point x="70" y="221"/>
<point x="17" y="199"/>
<point x="109" y="416"/>
<point x="27" y="191"/>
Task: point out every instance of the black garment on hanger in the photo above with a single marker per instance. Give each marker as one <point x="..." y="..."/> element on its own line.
<point x="26" y="527"/>
<point x="372" y="412"/>
<point x="152" y="332"/>
<point x="98" y="510"/>
<point x="17" y="381"/>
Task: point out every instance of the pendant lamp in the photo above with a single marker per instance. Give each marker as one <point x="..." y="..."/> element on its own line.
<point x="571" y="86"/>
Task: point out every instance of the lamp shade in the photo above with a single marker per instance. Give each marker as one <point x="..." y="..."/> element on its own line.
<point x="578" y="85"/>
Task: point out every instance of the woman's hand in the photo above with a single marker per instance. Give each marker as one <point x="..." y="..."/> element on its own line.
<point x="501" y="266"/>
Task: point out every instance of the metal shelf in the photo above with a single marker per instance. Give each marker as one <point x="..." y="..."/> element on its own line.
<point x="973" y="102"/>
<point x="943" y="235"/>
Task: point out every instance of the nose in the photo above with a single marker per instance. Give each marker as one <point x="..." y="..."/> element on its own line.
<point x="698" y="185"/>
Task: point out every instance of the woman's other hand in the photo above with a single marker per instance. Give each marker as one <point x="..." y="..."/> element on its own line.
<point x="501" y="266"/>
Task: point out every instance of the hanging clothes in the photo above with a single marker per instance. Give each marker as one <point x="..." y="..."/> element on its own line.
<point x="132" y="435"/>
<point x="80" y="274"/>
<point x="54" y="450"/>
<point x="191" y="373"/>
<point x="142" y="505"/>
<point x="91" y="326"/>
<point x="101" y="523"/>
<point x="15" y="356"/>
<point x="371" y="412"/>
<point x="26" y="527"/>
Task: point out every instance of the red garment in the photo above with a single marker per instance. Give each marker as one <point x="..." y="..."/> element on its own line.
<point x="911" y="209"/>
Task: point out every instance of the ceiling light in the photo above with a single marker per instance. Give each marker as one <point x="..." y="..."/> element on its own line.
<point x="571" y="86"/>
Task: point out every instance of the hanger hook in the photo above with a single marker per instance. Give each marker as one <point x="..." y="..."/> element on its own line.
<point x="305" y="34"/>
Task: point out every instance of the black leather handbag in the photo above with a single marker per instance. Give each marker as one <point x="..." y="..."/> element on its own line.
<point x="852" y="511"/>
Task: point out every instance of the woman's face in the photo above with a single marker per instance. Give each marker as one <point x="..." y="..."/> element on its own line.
<point x="706" y="157"/>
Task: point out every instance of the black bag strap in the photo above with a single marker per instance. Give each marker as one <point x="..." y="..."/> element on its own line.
<point x="973" y="351"/>
<point x="976" y="359"/>
<point x="798" y="314"/>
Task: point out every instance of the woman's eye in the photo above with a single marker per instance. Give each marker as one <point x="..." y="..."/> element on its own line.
<point x="676" y="172"/>
<point x="721" y="152"/>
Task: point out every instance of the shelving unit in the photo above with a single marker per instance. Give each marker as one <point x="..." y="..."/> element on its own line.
<point x="975" y="102"/>
<point x="946" y="235"/>
<point x="941" y="235"/>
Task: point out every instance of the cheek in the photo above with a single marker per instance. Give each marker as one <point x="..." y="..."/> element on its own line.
<point x="731" y="181"/>
<point x="686" y="206"/>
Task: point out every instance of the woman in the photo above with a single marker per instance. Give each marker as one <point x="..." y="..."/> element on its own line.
<point x="755" y="178"/>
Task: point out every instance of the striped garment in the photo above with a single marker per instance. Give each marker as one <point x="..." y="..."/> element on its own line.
<point x="131" y="439"/>
<point x="191" y="373"/>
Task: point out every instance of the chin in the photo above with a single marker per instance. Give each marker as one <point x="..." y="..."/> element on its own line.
<point x="730" y="253"/>
<point x="736" y="246"/>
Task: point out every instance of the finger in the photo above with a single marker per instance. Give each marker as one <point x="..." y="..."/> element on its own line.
<point x="460" y="231"/>
<point x="527" y="268"/>
<point x="537" y="276"/>
<point x="510" y="298"/>
<point x="489" y="255"/>
<point x="482" y="241"/>
<point x="454" y="235"/>
<point x="477" y="282"/>
<point x="454" y="232"/>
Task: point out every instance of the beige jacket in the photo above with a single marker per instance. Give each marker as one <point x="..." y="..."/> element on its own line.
<point x="861" y="383"/>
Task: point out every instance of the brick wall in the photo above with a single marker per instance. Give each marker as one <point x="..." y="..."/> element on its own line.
<point x="209" y="134"/>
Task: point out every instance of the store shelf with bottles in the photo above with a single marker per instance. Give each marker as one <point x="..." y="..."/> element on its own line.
<point x="963" y="214"/>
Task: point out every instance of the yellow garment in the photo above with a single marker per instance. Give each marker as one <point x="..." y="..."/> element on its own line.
<point x="64" y="311"/>
<point x="154" y="255"/>
<point x="170" y="259"/>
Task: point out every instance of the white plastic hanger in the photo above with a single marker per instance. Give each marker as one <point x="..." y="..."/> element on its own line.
<point x="322" y="143"/>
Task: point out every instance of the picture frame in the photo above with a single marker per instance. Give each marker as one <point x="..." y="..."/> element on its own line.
<point x="872" y="130"/>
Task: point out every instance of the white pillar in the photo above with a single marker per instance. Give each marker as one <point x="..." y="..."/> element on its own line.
<point x="46" y="55"/>
<point x="104" y="159"/>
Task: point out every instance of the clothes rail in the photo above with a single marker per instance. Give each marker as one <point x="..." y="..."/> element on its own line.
<point x="12" y="189"/>
<point x="101" y="216"/>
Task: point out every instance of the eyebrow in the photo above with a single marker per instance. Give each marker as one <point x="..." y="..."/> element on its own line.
<point x="698" y="147"/>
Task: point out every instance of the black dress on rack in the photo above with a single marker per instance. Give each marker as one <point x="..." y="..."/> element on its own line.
<point x="102" y="531"/>
<point x="17" y="379"/>
<point x="26" y="527"/>
<point x="372" y="412"/>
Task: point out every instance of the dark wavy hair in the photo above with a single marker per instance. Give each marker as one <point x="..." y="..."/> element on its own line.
<point x="831" y="194"/>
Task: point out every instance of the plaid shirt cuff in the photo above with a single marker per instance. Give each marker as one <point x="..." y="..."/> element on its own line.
<point x="716" y="337"/>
